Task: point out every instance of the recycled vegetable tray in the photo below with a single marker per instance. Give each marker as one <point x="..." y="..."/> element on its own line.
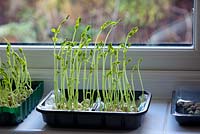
<point x="186" y="106"/>
<point x="15" y="115"/>
<point x="93" y="119"/>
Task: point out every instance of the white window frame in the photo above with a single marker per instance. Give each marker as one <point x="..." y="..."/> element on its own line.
<point x="166" y="65"/>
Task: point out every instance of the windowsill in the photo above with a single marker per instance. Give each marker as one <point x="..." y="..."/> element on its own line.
<point x="158" y="120"/>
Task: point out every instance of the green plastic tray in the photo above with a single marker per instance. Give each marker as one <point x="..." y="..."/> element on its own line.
<point x="15" y="115"/>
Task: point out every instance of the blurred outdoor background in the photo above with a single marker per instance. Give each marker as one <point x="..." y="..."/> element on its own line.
<point x="159" y="21"/>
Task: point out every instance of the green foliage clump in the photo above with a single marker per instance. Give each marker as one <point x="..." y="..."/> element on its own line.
<point x="15" y="80"/>
<point x="118" y="93"/>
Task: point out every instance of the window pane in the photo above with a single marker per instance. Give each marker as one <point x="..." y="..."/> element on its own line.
<point x="159" y="21"/>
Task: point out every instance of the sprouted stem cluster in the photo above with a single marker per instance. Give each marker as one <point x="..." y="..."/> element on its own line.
<point x="102" y="74"/>
<point x="15" y="80"/>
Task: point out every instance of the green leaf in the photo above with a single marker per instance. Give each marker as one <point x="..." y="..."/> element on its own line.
<point x="140" y="60"/>
<point x="129" y="60"/>
<point x="77" y="22"/>
<point x="108" y="73"/>
<point x="91" y="69"/>
<point x="91" y="52"/>
<point x="58" y="57"/>
<point x="53" y="30"/>
<point x="129" y="45"/>
<point x="122" y="45"/>
<point x="107" y="24"/>
<point x="132" y="32"/>
<point x="54" y="39"/>
<point x="20" y="50"/>
<point x="2" y="72"/>
<point x="88" y="27"/>
<point x="117" y="62"/>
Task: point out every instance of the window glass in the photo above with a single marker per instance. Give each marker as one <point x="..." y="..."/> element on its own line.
<point x="163" y="22"/>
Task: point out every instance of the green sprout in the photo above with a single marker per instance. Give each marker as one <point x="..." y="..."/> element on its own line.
<point x="15" y="80"/>
<point x="74" y="58"/>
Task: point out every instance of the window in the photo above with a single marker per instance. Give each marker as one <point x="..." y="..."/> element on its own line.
<point x="166" y="61"/>
<point x="160" y="22"/>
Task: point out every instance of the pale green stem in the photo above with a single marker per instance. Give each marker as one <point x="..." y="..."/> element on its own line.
<point x="133" y="88"/>
<point x="141" y="82"/>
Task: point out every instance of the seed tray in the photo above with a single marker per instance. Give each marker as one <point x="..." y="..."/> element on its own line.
<point x="15" y="115"/>
<point x="185" y="106"/>
<point x="93" y="119"/>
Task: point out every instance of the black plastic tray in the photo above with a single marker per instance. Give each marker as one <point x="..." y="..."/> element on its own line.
<point x="15" y="115"/>
<point x="189" y="94"/>
<point x="93" y="119"/>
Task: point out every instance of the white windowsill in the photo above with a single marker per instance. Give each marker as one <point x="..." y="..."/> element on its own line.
<point x="158" y="120"/>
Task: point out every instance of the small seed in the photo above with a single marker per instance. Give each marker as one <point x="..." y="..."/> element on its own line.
<point x="193" y="107"/>
<point x="197" y="112"/>
<point x="189" y="109"/>
<point x="197" y="104"/>
<point x="197" y="108"/>
<point x="187" y="104"/>
<point x="190" y="112"/>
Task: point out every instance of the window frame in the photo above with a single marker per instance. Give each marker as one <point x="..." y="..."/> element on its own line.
<point x="155" y="58"/>
<point x="163" y="67"/>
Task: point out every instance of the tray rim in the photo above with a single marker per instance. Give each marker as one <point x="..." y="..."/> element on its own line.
<point x="173" y="107"/>
<point x="39" y="107"/>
